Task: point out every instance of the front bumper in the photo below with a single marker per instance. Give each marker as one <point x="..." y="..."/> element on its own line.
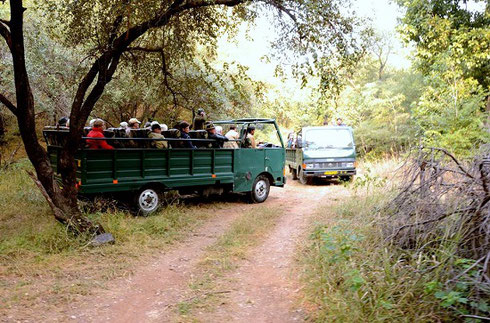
<point x="329" y="173"/>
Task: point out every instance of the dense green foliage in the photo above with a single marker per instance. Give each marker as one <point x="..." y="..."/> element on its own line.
<point x="379" y="108"/>
<point x="452" y="51"/>
<point x="442" y="100"/>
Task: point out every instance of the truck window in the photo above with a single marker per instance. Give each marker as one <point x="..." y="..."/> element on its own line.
<point x="266" y="135"/>
<point x="328" y="138"/>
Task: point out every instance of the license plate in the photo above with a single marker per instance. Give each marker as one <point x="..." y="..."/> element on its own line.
<point x="334" y="172"/>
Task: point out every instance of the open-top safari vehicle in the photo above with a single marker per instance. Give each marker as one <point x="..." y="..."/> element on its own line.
<point x="135" y="166"/>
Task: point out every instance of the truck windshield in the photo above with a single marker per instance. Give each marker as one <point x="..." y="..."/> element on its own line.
<point x="328" y="138"/>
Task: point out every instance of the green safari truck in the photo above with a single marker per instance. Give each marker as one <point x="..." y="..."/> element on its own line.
<point x="322" y="152"/>
<point x="146" y="172"/>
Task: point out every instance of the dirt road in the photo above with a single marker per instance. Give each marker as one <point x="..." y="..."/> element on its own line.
<point x="263" y="288"/>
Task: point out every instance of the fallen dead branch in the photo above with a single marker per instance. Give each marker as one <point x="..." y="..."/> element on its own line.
<point x="443" y="199"/>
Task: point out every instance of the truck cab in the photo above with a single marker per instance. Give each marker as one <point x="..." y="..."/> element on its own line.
<point x="326" y="152"/>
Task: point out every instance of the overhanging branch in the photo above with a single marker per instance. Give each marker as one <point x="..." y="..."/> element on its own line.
<point x="146" y="49"/>
<point x="5" y="32"/>
<point x="282" y="8"/>
<point x="8" y="104"/>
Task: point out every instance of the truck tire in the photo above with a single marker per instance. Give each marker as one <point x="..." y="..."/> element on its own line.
<point x="294" y="174"/>
<point x="349" y="178"/>
<point x="260" y="189"/>
<point x="303" y="179"/>
<point x="147" y="201"/>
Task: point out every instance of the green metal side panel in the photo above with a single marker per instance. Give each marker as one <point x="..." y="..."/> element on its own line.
<point x="130" y="169"/>
<point x="116" y="170"/>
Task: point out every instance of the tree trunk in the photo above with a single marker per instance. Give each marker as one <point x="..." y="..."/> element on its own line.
<point x="62" y="201"/>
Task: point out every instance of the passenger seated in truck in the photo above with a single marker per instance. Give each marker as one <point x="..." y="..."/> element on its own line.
<point x="184" y="128"/>
<point x="63" y="122"/>
<point x="156" y="133"/>
<point x="133" y="123"/>
<point x="212" y="134"/>
<point x="97" y="132"/>
<point x="250" y="140"/>
<point x="124" y="125"/>
<point x="232" y="134"/>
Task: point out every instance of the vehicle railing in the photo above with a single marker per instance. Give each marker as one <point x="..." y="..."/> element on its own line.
<point x="119" y="139"/>
<point x="156" y="139"/>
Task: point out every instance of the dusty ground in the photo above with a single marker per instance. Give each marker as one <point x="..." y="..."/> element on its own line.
<point x="263" y="288"/>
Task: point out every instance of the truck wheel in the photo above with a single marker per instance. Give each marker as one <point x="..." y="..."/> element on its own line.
<point x="349" y="179"/>
<point x="147" y="201"/>
<point x="293" y="173"/>
<point x="260" y="189"/>
<point x="304" y="179"/>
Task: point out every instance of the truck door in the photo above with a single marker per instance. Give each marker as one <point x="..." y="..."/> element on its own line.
<point x="274" y="161"/>
<point x="248" y="164"/>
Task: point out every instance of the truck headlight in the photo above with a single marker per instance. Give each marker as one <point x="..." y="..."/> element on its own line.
<point x="310" y="166"/>
<point x="350" y="165"/>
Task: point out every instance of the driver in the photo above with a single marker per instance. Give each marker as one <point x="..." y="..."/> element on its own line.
<point x="250" y="140"/>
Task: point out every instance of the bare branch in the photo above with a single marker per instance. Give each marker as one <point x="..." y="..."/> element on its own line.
<point x="8" y="104"/>
<point x="5" y="32"/>
<point x="281" y="8"/>
<point x="145" y="49"/>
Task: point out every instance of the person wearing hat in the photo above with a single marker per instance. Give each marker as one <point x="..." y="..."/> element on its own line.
<point x="156" y="133"/>
<point x="250" y="140"/>
<point x="212" y="134"/>
<point x="184" y="128"/>
<point x="133" y="123"/>
<point x="199" y="120"/>
<point x="63" y="122"/>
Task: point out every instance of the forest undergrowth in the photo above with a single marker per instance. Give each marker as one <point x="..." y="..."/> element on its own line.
<point x="410" y="245"/>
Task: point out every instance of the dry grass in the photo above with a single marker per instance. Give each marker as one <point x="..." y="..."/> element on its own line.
<point x="41" y="265"/>
<point x="352" y="274"/>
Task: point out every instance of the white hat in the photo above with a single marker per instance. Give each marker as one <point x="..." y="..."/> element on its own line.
<point x="154" y="122"/>
<point x="164" y="127"/>
<point x="123" y="124"/>
<point x="91" y="123"/>
<point x="133" y="120"/>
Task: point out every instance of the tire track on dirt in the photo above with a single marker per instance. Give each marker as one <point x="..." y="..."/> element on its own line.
<point x="152" y="291"/>
<point x="156" y="285"/>
<point x="263" y="289"/>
